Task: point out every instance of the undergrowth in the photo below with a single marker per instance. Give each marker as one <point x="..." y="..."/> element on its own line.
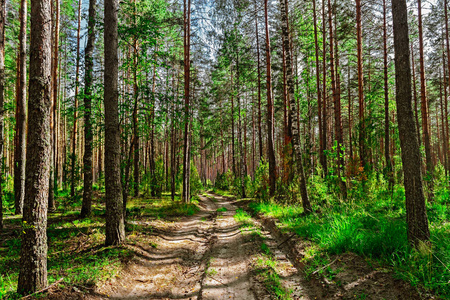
<point x="76" y="249"/>
<point x="372" y="223"/>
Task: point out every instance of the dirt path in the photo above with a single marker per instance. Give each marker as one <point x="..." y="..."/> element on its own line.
<point x="205" y="256"/>
<point x="211" y="256"/>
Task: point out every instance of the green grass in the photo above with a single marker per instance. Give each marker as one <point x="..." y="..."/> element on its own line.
<point x="76" y="252"/>
<point x="222" y="209"/>
<point x="375" y="228"/>
<point x="266" y="264"/>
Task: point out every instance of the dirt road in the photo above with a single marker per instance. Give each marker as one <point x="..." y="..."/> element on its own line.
<point x="211" y="256"/>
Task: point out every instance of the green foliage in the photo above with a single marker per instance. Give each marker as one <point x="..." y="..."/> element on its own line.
<point x="195" y="181"/>
<point x="259" y="187"/>
<point x="373" y="224"/>
<point x="224" y="181"/>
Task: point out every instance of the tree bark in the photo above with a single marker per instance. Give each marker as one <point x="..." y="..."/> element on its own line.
<point x="322" y="158"/>
<point x="424" y="100"/>
<point x="54" y="126"/>
<point x="335" y="86"/>
<point x="86" y="208"/>
<point x="270" y="111"/>
<point x="21" y="117"/>
<point x="33" y="255"/>
<point x="75" y="111"/>
<point x="416" y="215"/>
<point x="187" y="66"/>
<point x="115" y="229"/>
<point x="2" y="100"/>
<point x="362" y="131"/>
<point x="293" y="114"/>
<point x="259" y="85"/>
<point x="447" y="44"/>
<point x="324" y="91"/>
<point x="387" y="156"/>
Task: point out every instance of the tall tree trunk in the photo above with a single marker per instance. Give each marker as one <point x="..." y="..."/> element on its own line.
<point x="444" y="112"/>
<point x="136" y="111"/>
<point x="424" y="102"/>
<point x="447" y="44"/>
<point x="270" y="112"/>
<point x="259" y="85"/>
<point x="233" y="147"/>
<point x="387" y="156"/>
<point x="33" y="255"/>
<point x="2" y="99"/>
<point x="335" y="86"/>
<point x="416" y="111"/>
<point x="293" y="114"/>
<point x="324" y="91"/>
<point x="86" y="208"/>
<point x="241" y="147"/>
<point x="55" y="128"/>
<point x="75" y="108"/>
<point x="416" y="215"/>
<point x="115" y="228"/>
<point x="21" y="118"/>
<point x="322" y="158"/>
<point x="187" y="78"/>
<point x="362" y="130"/>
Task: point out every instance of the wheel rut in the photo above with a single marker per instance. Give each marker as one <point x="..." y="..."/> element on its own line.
<point x="205" y="256"/>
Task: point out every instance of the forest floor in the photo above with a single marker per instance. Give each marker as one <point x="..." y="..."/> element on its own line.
<point x="219" y="252"/>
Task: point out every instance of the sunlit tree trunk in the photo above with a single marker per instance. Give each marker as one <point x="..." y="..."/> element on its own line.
<point x="187" y="78"/>
<point x="416" y="215"/>
<point x="115" y="228"/>
<point x="424" y="101"/>
<point x="75" y="111"/>
<point x="2" y="99"/>
<point x="86" y="208"/>
<point x="295" y="129"/>
<point x="33" y="255"/>
<point x="21" y="117"/>
<point x="387" y="156"/>
<point x="270" y="112"/>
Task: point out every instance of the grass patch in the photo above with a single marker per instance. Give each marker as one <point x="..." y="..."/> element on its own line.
<point x="266" y="269"/>
<point x="222" y="209"/>
<point x="76" y="250"/>
<point x="76" y="253"/>
<point x="160" y="208"/>
<point x="376" y="229"/>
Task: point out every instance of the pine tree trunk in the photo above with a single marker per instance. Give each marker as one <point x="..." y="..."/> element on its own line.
<point x="54" y="125"/>
<point x="447" y="44"/>
<point x="33" y="255"/>
<point x="424" y="101"/>
<point x="86" y="208"/>
<point x="416" y="215"/>
<point x="75" y="111"/>
<point x="322" y="158"/>
<point x="261" y="155"/>
<point x="21" y="118"/>
<point x="362" y="131"/>
<point x="187" y="66"/>
<point x="324" y="91"/>
<point x="115" y="229"/>
<point x="416" y="111"/>
<point x="270" y="111"/>
<point x="2" y="99"/>
<point x="387" y="156"/>
<point x="293" y="114"/>
<point x="335" y="86"/>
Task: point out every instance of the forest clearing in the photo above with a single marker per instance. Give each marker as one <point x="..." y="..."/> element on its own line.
<point x="229" y="149"/>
